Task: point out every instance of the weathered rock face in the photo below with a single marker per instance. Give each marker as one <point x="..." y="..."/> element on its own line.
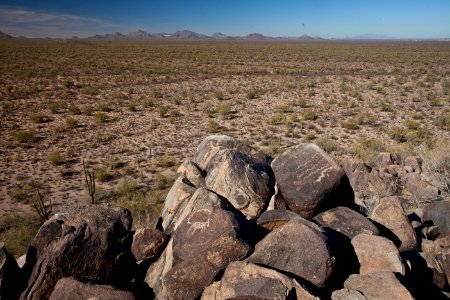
<point x="180" y="192"/>
<point x="298" y="249"/>
<point x="390" y="214"/>
<point x="376" y="254"/>
<point x="11" y="281"/>
<point x="200" y="229"/>
<point x="70" y="288"/>
<point x="192" y="173"/>
<point x="158" y="269"/>
<point x="94" y="245"/>
<point x="147" y="243"/>
<point x="272" y="219"/>
<point x="189" y="278"/>
<point x="243" y="280"/>
<point x="439" y="213"/>
<point x="420" y="190"/>
<point x="346" y="221"/>
<point x="308" y="179"/>
<point x="246" y="183"/>
<point x="346" y="294"/>
<point x="212" y="144"/>
<point x="378" y="286"/>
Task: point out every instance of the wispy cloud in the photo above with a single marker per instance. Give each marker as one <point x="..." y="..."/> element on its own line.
<point x="19" y="21"/>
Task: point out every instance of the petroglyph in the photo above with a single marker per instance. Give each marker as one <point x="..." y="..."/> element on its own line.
<point x="199" y="225"/>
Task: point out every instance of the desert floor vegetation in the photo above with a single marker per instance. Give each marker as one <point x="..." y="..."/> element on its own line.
<point x="134" y="111"/>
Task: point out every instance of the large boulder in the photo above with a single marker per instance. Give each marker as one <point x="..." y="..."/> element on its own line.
<point x="245" y="182"/>
<point x="212" y="144"/>
<point x="147" y="243"/>
<point x="439" y="213"/>
<point x="243" y="280"/>
<point x="201" y="228"/>
<point x="192" y="173"/>
<point x="298" y="249"/>
<point x="94" y="245"/>
<point x="418" y="189"/>
<point x="389" y="213"/>
<point x="70" y="288"/>
<point x="377" y="253"/>
<point x="378" y="286"/>
<point x="310" y="180"/>
<point x="157" y="270"/>
<point x="346" y="221"/>
<point x="189" y="278"/>
<point x="11" y="279"/>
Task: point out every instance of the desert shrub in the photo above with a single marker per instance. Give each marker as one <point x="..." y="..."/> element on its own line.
<point x="103" y="174"/>
<point x="88" y="109"/>
<point x="156" y="93"/>
<point x="443" y="121"/>
<point x="309" y="114"/>
<point x="165" y="162"/>
<point x="284" y="108"/>
<point x="413" y="125"/>
<point x="327" y="144"/>
<point x="71" y="123"/>
<point x="17" y="232"/>
<point x="74" y="110"/>
<point x="219" y="95"/>
<point x="161" y="182"/>
<point x="20" y="193"/>
<point x="351" y="124"/>
<point x="386" y="107"/>
<point x="55" y="158"/>
<point x="54" y="107"/>
<point x="148" y="102"/>
<point x="436" y="160"/>
<point x="277" y="119"/>
<point x="104" y="107"/>
<point x="40" y="118"/>
<point x="162" y="111"/>
<point x="365" y="119"/>
<point x="251" y="94"/>
<point x="300" y="102"/>
<point x="398" y="134"/>
<point x="100" y="117"/>
<point x="224" y="110"/>
<point x="213" y="126"/>
<point x="132" y="107"/>
<point x="69" y="84"/>
<point x="25" y="136"/>
<point x="368" y="149"/>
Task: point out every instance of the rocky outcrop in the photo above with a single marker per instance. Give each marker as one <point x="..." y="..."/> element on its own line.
<point x="309" y="180"/>
<point x="94" y="245"/>
<point x="70" y="288"/>
<point x="227" y="232"/>
<point x="298" y="249"/>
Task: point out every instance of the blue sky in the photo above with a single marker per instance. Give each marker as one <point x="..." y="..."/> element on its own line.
<point x="325" y="18"/>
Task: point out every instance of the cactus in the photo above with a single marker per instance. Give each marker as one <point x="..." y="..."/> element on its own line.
<point x="42" y="210"/>
<point x="90" y="182"/>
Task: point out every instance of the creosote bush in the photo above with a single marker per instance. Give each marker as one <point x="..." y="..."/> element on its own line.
<point x="25" y="136"/>
<point x="309" y="114"/>
<point x="55" y="158"/>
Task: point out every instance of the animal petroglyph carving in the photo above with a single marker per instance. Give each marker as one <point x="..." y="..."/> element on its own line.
<point x="199" y="225"/>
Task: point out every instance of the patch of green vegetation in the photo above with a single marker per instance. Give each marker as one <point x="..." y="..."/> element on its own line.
<point x="309" y="114"/>
<point x="17" y="232"/>
<point x="40" y="118"/>
<point x="327" y="144"/>
<point x="55" y="158"/>
<point x="368" y="149"/>
<point x="25" y="136"/>
<point x="103" y="174"/>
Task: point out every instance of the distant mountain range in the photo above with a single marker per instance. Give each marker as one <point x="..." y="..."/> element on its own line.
<point x="190" y="35"/>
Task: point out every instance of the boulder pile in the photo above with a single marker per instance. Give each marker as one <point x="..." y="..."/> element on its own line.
<point x="238" y="225"/>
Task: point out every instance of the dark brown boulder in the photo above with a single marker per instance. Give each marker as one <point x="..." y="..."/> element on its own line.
<point x="378" y="286"/>
<point x="212" y="144"/>
<point x="309" y="180"/>
<point x="243" y="280"/>
<point x="147" y="243"/>
<point x="389" y="213"/>
<point x="189" y="278"/>
<point x="70" y="288"/>
<point x="272" y="219"/>
<point x="245" y="182"/>
<point x="439" y="213"/>
<point x="94" y="245"/>
<point x="346" y="221"/>
<point x="11" y="279"/>
<point x="298" y="249"/>
<point x="201" y="228"/>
